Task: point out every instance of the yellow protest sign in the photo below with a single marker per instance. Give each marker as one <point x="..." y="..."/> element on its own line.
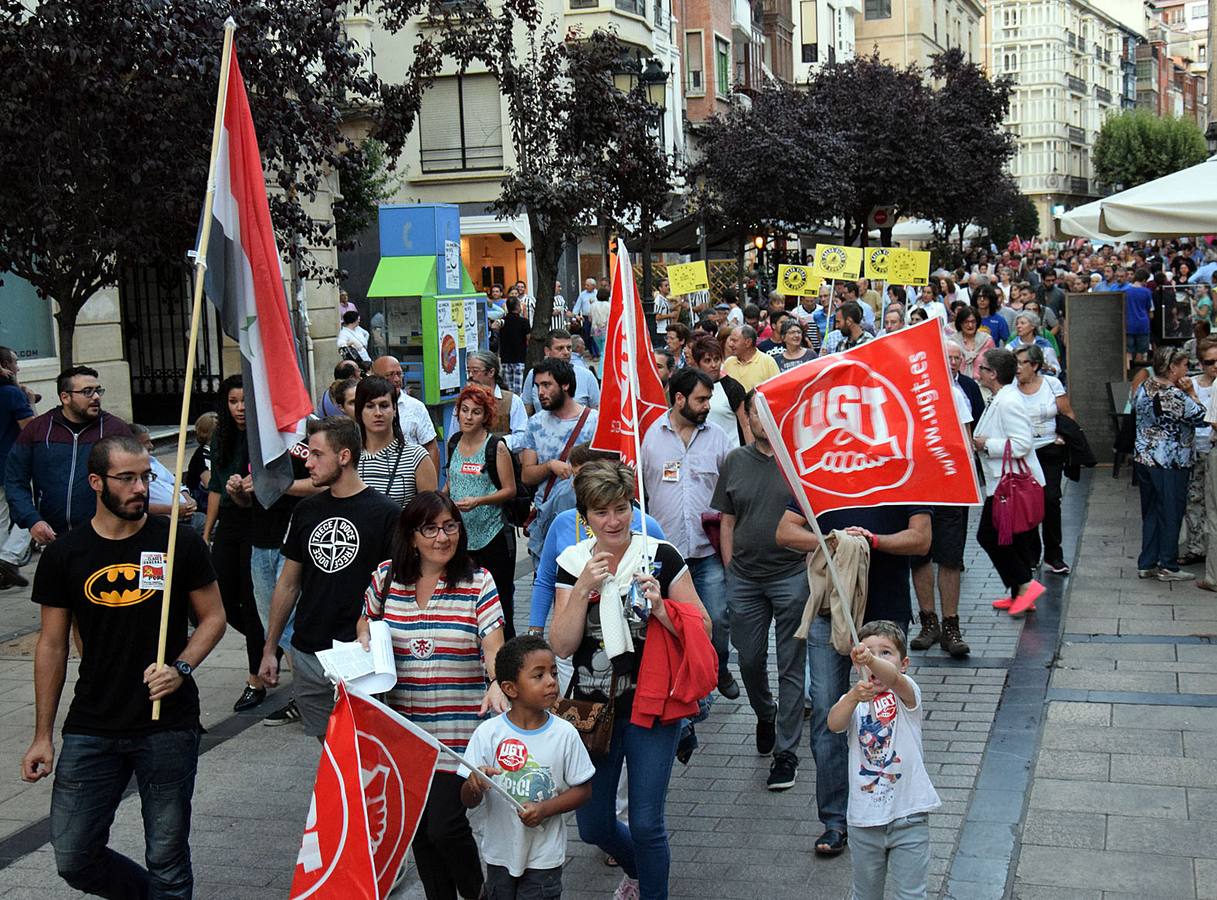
<point x="876" y="262"/>
<point x="908" y="267"/>
<point x="686" y="278"/>
<point x="835" y="261"/>
<point x="797" y="281"/>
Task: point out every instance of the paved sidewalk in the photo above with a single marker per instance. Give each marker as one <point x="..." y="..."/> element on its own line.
<point x="730" y="837"/>
<point x="1122" y="800"/>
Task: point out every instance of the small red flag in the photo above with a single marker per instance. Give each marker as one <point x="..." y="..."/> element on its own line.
<point x="874" y="426"/>
<point x="372" y="785"/>
<point x="616" y="428"/>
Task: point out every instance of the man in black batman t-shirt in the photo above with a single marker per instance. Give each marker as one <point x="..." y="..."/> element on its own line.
<point x="335" y="540"/>
<point x="108" y="575"/>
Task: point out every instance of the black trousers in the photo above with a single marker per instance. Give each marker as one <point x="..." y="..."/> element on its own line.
<point x="1052" y="459"/>
<point x="230" y="551"/>
<point x="444" y="849"/>
<point x="499" y="559"/>
<point x="1014" y="562"/>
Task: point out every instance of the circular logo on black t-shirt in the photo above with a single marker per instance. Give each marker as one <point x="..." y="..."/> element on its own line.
<point x="333" y="544"/>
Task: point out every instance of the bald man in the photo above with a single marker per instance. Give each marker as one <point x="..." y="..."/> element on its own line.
<point x="412" y="414"/>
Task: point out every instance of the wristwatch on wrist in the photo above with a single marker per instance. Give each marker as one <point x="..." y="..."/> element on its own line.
<point x="183" y="668"/>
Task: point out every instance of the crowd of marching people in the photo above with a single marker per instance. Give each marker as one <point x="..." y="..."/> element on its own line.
<point x="628" y="617"/>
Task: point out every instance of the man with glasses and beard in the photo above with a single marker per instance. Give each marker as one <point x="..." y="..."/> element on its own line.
<point x="335" y="539"/>
<point x="108" y="576"/>
<point x="49" y="461"/>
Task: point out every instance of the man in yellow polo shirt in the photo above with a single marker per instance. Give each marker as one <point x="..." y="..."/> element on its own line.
<point x="749" y="366"/>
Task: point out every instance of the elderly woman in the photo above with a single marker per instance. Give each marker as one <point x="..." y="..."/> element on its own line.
<point x="610" y="593"/>
<point x="1044" y="398"/>
<point x="1168" y="414"/>
<point x="971" y="340"/>
<point x="1027" y="334"/>
<point x="795" y="351"/>
<point x="1005" y="428"/>
<point x="447" y="628"/>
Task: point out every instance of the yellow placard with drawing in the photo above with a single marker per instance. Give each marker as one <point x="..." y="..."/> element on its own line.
<point x="685" y="278"/>
<point x="908" y="267"/>
<point x="834" y="261"/>
<point x="798" y="281"/>
<point x="877" y="262"/>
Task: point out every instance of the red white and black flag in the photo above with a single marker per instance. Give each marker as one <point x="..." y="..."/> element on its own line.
<point x="244" y="280"/>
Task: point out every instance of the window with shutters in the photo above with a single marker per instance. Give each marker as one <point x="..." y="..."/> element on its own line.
<point x="878" y="9"/>
<point x="722" y="67"/>
<point x="460" y="124"/>
<point x="695" y="75"/>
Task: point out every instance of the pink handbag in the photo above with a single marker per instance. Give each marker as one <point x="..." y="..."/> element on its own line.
<point x="1018" y="501"/>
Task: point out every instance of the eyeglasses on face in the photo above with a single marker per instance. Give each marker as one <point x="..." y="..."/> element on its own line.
<point x="1208" y="362"/>
<point x="129" y="478"/>
<point x="89" y="391"/>
<point x="431" y="530"/>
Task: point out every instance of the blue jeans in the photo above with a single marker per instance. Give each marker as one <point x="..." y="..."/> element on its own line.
<point x="265" y="564"/>
<point x="1163" y="504"/>
<point x="829" y="680"/>
<point x="91" y="775"/>
<point x="642" y="849"/>
<point x="711" y="584"/>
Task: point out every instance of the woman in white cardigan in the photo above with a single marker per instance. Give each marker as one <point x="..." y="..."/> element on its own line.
<point x="1005" y="423"/>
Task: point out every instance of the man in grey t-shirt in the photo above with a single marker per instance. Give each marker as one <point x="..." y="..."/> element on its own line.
<point x="765" y="583"/>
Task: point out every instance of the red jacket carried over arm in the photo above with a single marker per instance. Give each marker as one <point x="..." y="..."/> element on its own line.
<point x="677" y="670"/>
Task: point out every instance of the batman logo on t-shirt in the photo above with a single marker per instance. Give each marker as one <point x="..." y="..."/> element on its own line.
<point x="116" y="585"/>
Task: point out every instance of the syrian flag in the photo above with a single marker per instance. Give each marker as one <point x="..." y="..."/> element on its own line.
<point x="372" y="785"/>
<point x="629" y="371"/>
<point x="244" y="280"/>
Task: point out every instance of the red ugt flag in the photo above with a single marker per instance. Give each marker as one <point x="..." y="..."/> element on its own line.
<point x="372" y="784"/>
<point x="616" y="428"/>
<point x="244" y="281"/>
<point x="874" y="426"/>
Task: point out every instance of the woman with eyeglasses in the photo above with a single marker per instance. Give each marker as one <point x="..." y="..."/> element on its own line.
<point x="971" y="340"/>
<point x="1195" y="548"/>
<point x="229" y="530"/>
<point x="389" y="464"/>
<point x="443" y="612"/>
<point x="795" y="351"/>
<point x="1168" y="413"/>
<point x="480" y="492"/>
<point x="1045" y="398"/>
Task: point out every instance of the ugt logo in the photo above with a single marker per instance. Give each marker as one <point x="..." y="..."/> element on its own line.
<point x="851" y="432"/>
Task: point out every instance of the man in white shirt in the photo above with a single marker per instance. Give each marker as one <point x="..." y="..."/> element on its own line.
<point x="735" y="312"/>
<point x="412" y="415"/>
<point x="528" y="303"/>
<point x="662" y="308"/>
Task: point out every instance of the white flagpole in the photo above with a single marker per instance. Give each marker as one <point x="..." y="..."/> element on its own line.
<point x="200" y="268"/>
<point x="782" y="454"/>
<point x="631" y="329"/>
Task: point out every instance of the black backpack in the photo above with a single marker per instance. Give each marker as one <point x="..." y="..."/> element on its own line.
<point x="515" y="510"/>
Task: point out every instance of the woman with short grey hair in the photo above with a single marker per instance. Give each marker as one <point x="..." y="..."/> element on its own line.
<point x="1027" y="334"/>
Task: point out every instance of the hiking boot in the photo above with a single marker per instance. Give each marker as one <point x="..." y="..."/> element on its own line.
<point x="930" y="632"/>
<point x="952" y="638"/>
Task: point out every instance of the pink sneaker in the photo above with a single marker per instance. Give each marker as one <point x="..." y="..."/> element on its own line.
<point x="1002" y="602"/>
<point x="1026" y="600"/>
<point x="627" y="890"/>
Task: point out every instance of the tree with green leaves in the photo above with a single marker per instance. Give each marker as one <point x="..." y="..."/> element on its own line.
<point x="105" y="130"/>
<point x="584" y="153"/>
<point x="1136" y="146"/>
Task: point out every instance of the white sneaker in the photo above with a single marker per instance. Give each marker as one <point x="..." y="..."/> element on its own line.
<point x="627" y="890"/>
<point x="1174" y="575"/>
<point x="1146" y="573"/>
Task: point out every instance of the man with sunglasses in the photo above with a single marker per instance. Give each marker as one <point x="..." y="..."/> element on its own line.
<point x="49" y="461"/>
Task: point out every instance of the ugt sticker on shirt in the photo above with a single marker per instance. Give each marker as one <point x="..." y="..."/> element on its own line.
<point x="151" y="571"/>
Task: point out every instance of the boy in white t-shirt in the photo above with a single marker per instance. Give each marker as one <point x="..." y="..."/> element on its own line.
<point x="890" y="791"/>
<point x="541" y="761"/>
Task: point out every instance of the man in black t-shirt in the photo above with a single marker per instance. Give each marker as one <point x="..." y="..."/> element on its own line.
<point x="335" y="540"/>
<point x="108" y="574"/>
<point x="895" y="533"/>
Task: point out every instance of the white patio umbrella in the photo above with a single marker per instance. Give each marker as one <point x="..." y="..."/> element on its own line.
<point x="1182" y="203"/>
<point x="1083" y="221"/>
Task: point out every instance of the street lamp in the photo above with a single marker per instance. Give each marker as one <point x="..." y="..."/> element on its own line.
<point x="625" y="76"/>
<point x="655" y="80"/>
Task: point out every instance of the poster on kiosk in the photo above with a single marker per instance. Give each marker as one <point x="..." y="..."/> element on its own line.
<point x="424" y="308"/>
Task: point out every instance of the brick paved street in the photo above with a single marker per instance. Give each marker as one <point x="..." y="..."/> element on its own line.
<point x="1121" y="763"/>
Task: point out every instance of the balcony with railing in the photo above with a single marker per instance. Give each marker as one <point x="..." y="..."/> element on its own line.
<point x="1078" y="185"/>
<point x="1076" y="135"/>
<point x="1102" y="94"/>
<point x="1077" y="85"/>
<point x="1070" y="38"/>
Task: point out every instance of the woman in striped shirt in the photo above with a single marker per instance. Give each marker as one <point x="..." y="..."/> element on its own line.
<point x="447" y="628"/>
<point x="390" y="465"/>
